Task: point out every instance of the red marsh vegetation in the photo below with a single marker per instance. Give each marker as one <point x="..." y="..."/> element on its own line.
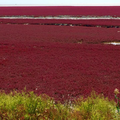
<point x="99" y="22"/>
<point x="61" y="10"/>
<point x="60" y="70"/>
<point x="64" y="62"/>
<point x="47" y="59"/>
<point x="62" y="34"/>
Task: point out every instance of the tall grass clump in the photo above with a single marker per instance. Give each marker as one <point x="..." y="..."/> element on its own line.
<point x="28" y="106"/>
<point x="96" y="107"/>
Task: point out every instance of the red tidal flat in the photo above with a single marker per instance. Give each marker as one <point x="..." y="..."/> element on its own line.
<point x="100" y="22"/>
<point x="61" y="10"/>
<point x="60" y="70"/>
<point x="46" y="59"/>
<point x="62" y="34"/>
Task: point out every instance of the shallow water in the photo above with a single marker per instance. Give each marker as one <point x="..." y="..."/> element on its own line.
<point x="112" y="43"/>
<point x="61" y="17"/>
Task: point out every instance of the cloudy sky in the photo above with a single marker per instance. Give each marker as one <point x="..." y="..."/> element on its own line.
<point x="61" y="2"/>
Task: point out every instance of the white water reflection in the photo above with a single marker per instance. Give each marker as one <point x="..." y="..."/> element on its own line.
<point x="113" y="43"/>
<point x="60" y="17"/>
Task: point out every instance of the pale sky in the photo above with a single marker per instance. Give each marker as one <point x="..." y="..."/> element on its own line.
<point x="60" y="2"/>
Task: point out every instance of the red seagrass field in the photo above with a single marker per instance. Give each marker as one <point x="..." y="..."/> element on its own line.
<point x="63" y="62"/>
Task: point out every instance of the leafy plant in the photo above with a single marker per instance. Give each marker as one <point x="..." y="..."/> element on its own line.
<point x="27" y="105"/>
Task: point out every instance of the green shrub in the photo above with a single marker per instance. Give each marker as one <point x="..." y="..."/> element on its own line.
<point x="29" y="106"/>
<point x="96" y="107"/>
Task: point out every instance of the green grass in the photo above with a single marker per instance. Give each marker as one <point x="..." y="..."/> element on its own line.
<point x="29" y="106"/>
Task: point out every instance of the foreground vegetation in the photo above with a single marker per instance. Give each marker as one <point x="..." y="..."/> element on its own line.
<point x="28" y="106"/>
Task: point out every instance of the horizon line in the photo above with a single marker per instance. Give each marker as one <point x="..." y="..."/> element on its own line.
<point x="57" y="5"/>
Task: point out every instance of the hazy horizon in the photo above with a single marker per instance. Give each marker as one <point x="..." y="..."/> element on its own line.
<point x="60" y="3"/>
<point x="55" y="5"/>
<point x="29" y="5"/>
